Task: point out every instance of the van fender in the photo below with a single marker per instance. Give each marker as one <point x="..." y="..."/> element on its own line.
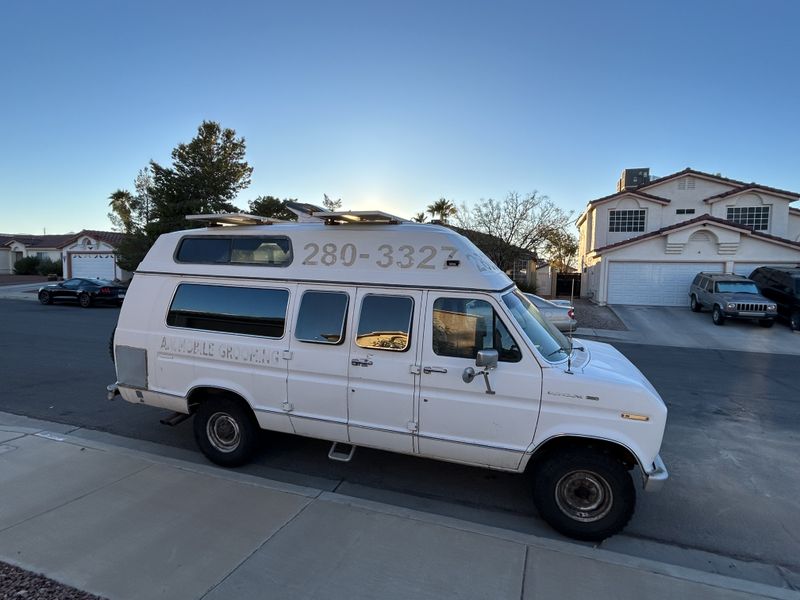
<point x="543" y="438"/>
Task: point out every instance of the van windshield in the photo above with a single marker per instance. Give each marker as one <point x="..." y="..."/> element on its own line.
<point x="548" y="340"/>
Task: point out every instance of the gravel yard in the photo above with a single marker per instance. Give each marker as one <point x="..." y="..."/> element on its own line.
<point x="593" y="316"/>
<point x="19" y="584"/>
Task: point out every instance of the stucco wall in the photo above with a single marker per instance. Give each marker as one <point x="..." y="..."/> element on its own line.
<point x="778" y="212"/>
<point x="604" y="237"/>
<point x="701" y="245"/>
<point x="5" y="261"/>
<point x="793" y="226"/>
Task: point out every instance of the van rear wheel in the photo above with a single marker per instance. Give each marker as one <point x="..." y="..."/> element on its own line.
<point x="226" y="431"/>
<point x="584" y="494"/>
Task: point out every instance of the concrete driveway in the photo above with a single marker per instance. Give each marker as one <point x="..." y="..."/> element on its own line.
<point x="679" y="326"/>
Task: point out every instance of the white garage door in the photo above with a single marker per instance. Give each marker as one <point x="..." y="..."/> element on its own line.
<point x="93" y="265"/>
<point x="654" y="284"/>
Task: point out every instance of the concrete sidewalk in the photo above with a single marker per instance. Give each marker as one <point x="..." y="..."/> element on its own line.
<point x="21" y="291"/>
<point x="122" y="523"/>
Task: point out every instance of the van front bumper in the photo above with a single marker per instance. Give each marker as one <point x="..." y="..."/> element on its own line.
<point x="654" y="480"/>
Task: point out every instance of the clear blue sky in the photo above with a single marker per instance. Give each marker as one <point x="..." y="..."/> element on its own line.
<point x="392" y="105"/>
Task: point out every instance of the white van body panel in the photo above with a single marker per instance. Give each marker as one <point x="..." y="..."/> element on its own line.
<point x="413" y="401"/>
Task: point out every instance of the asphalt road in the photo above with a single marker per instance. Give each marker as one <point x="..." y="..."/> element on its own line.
<point x="730" y="445"/>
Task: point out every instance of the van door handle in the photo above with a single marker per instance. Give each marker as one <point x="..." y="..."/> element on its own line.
<point x="429" y="370"/>
<point x="357" y="362"/>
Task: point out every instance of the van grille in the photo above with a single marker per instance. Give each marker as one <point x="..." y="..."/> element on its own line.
<point x="748" y="307"/>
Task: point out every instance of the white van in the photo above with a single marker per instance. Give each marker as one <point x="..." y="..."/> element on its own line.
<point x="367" y="330"/>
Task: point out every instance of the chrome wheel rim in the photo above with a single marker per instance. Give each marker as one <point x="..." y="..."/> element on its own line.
<point x="584" y="496"/>
<point x="223" y="432"/>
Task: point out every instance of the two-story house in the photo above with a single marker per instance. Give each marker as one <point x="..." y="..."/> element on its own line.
<point x="644" y="244"/>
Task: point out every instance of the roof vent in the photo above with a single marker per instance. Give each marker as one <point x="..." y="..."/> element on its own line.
<point x="632" y="178"/>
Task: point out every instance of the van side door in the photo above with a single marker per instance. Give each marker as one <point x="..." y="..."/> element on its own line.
<point x="383" y="373"/>
<point x="319" y="361"/>
<point x="461" y="421"/>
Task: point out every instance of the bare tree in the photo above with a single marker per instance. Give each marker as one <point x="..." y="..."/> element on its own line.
<point x="331" y="205"/>
<point x="513" y="225"/>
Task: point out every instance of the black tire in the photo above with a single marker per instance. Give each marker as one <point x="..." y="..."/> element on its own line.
<point x="85" y="300"/>
<point x="584" y="494"/>
<point x="794" y="321"/>
<point x="767" y="323"/>
<point x="717" y="316"/>
<point x="45" y="297"/>
<point x="694" y="304"/>
<point x="226" y="431"/>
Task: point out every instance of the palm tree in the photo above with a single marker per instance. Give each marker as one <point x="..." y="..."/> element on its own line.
<point x="442" y="207"/>
<point x="419" y="217"/>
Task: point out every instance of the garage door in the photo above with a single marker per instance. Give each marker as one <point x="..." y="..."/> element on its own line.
<point x="654" y="284"/>
<point x="92" y="265"/>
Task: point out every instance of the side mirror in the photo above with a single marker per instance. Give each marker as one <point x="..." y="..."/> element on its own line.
<point x="487" y="359"/>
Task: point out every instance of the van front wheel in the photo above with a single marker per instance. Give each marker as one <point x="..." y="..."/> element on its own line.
<point x="584" y="494"/>
<point x="226" y="431"/>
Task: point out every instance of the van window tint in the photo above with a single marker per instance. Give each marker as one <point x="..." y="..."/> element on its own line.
<point x="261" y="251"/>
<point x="385" y="322"/>
<point x="249" y="311"/>
<point x="275" y="251"/>
<point x="205" y="250"/>
<point x="321" y="317"/>
<point x="462" y="326"/>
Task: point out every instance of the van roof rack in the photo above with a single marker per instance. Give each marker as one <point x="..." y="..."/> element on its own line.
<point x="234" y="219"/>
<point x="363" y="217"/>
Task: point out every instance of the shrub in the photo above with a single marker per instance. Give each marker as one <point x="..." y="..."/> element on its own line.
<point x="26" y="266"/>
<point x="50" y="267"/>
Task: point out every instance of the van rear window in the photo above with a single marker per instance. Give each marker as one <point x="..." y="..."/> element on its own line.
<point x="249" y="311"/>
<point x="269" y="251"/>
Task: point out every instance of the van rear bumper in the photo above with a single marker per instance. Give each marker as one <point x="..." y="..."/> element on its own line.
<point x="654" y="480"/>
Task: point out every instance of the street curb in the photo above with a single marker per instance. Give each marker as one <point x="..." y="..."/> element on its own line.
<point x="56" y="432"/>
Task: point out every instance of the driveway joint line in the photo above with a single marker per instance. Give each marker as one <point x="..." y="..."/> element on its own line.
<point x="260" y="546"/>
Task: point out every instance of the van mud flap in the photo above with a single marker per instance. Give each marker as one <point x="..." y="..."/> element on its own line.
<point x="342" y="452"/>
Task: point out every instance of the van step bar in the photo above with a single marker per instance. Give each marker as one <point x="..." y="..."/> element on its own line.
<point x="175" y="418"/>
<point x="342" y="452"/>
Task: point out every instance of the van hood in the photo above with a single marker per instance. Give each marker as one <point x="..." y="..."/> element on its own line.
<point x="605" y="362"/>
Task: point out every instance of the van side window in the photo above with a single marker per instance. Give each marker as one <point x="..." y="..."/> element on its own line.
<point x="249" y="311"/>
<point x="321" y="318"/>
<point x="274" y="251"/>
<point x="463" y="326"/>
<point x="385" y="322"/>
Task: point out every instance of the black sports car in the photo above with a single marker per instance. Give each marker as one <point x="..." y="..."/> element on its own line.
<point x="84" y="291"/>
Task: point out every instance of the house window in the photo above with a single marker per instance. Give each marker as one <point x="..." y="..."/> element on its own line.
<point x="684" y="211"/>
<point x="756" y="217"/>
<point x="626" y="220"/>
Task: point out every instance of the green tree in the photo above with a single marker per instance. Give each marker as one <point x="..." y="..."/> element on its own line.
<point x="205" y="176"/>
<point x="444" y="208"/>
<point x="269" y="206"/>
<point x="561" y="248"/>
<point x="132" y="215"/>
<point x="420" y="217"/>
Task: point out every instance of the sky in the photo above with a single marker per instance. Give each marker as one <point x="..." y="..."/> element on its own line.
<point x="392" y="105"/>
